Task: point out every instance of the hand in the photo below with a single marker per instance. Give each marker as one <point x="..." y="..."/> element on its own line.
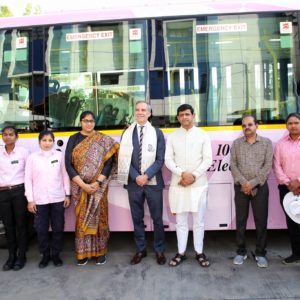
<point x="186" y="179"/>
<point x="67" y="202"/>
<point x="31" y="206"/>
<point x="246" y="188"/>
<point x="297" y="192"/>
<point x="142" y="180"/>
<point x="95" y="185"/>
<point x="90" y="188"/>
<point x="293" y="186"/>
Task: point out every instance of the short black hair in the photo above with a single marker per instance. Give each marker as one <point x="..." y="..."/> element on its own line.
<point x="86" y="113"/>
<point x="250" y="116"/>
<point x="294" y="114"/>
<point x="184" y="107"/>
<point x="44" y="133"/>
<point x="13" y="128"/>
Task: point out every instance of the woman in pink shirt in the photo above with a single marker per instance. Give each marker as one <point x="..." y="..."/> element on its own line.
<point x="47" y="188"/>
<point x="12" y="199"/>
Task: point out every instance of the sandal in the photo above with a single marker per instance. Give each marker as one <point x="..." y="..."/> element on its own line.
<point x="177" y="260"/>
<point x="202" y="260"/>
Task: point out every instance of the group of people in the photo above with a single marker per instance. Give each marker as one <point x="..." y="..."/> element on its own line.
<point x="46" y="182"/>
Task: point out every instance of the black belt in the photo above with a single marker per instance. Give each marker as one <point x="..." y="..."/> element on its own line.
<point x="7" y="188"/>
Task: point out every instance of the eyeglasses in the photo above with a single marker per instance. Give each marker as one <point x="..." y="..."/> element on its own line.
<point x="87" y="121"/>
<point x="247" y="125"/>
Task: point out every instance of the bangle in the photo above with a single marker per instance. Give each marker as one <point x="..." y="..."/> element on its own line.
<point x="194" y="177"/>
<point x="99" y="181"/>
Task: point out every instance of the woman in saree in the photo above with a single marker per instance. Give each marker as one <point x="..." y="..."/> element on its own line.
<point x="90" y="162"/>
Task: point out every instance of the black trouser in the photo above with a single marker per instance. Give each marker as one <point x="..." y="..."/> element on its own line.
<point x="13" y="210"/>
<point x="293" y="227"/>
<point x="50" y="214"/>
<point x="259" y="204"/>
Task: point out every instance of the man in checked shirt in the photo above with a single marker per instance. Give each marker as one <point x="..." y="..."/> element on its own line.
<point x="251" y="162"/>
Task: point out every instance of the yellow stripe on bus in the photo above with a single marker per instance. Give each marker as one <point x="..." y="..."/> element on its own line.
<point x="165" y="130"/>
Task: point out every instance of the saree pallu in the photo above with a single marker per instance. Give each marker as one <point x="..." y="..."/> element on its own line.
<point x="92" y="230"/>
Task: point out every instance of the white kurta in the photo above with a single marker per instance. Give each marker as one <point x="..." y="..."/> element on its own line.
<point x="189" y="151"/>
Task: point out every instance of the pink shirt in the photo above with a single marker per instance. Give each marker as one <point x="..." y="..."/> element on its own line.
<point x="286" y="161"/>
<point x="12" y="166"/>
<point x="46" y="178"/>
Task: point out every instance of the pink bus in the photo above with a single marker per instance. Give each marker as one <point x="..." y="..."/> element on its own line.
<point x="225" y="58"/>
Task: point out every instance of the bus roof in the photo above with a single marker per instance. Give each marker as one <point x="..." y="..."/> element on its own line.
<point x="150" y="9"/>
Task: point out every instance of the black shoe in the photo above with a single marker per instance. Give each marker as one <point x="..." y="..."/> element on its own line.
<point x="57" y="260"/>
<point x="137" y="258"/>
<point x="44" y="262"/>
<point x="9" y="263"/>
<point x="20" y="263"/>
<point x="291" y="260"/>
<point x="82" y="262"/>
<point x="100" y="260"/>
<point x="160" y="258"/>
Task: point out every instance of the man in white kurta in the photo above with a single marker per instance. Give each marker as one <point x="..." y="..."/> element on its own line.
<point x="188" y="156"/>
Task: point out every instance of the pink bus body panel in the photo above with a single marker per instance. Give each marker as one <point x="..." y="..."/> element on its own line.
<point x="220" y="214"/>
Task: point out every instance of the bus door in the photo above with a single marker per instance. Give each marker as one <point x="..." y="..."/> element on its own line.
<point x="187" y="75"/>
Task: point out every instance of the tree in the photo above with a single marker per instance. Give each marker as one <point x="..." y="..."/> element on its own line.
<point x="37" y="10"/>
<point x="5" y="11"/>
<point x="28" y="10"/>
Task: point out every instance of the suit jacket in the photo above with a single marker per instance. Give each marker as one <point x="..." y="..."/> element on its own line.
<point x="154" y="169"/>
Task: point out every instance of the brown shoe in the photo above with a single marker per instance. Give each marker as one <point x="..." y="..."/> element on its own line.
<point x="137" y="258"/>
<point x="160" y="258"/>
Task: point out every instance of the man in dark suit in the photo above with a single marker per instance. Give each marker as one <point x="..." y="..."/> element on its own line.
<point x="141" y="159"/>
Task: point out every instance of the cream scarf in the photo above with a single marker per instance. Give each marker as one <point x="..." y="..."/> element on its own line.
<point x="126" y="149"/>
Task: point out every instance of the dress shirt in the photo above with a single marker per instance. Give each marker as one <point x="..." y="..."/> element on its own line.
<point x="46" y="179"/>
<point x="251" y="162"/>
<point x="286" y="162"/>
<point x="12" y="166"/>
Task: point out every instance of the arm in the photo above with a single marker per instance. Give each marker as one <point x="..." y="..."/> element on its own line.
<point x="278" y="170"/>
<point x="207" y="159"/>
<point x="66" y="182"/>
<point x="68" y="158"/>
<point x="170" y="158"/>
<point x="104" y="173"/>
<point x="31" y="206"/>
<point x="160" y="155"/>
<point x="236" y="174"/>
<point x="107" y="167"/>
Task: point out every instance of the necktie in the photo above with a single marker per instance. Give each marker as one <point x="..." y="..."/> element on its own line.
<point x="141" y="147"/>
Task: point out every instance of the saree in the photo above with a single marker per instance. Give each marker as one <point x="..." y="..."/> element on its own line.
<point x="88" y="159"/>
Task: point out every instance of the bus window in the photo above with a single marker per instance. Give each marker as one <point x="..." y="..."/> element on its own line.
<point x="15" y="78"/>
<point x="97" y="67"/>
<point x="227" y="66"/>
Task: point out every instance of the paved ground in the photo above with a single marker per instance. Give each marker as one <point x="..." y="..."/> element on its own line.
<point x="118" y="280"/>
